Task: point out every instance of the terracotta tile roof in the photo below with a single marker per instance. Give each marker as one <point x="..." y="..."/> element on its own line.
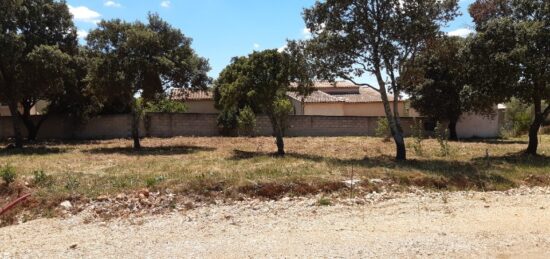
<point x="366" y="95"/>
<point x="327" y="84"/>
<point x="184" y="94"/>
<point x="315" y="97"/>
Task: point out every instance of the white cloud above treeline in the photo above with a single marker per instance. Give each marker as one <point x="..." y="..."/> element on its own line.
<point x="462" y="32"/>
<point x="84" y="14"/>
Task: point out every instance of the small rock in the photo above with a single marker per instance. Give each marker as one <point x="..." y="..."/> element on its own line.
<point x="144" y="192"/>
<point x="73" y="246"/>
<point x="350" y="183"/>
<point x="66" y="205"/>
<point x="376" y="181"/>
<point x="102" y="198"/>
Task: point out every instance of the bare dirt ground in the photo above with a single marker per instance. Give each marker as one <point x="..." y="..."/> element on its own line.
<point x="510" y="224"/>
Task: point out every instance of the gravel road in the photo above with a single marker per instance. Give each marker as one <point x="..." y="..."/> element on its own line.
<point x="508" y="224"/>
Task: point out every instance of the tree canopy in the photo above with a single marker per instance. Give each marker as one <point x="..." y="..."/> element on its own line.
<point x="510" y="55"/>
<point x="260" y="82"/>
<point x="136" y="58"/>
<point x="38" y="39"/>
<point x="357" y="37"/>
<point x="437" y="83"/>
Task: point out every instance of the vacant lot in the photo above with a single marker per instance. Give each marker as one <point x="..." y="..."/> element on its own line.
<point x="237" y="167"/>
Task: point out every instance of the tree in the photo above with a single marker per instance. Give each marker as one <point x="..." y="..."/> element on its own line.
<point x="131" y="59"/>
<point x="437" y="83"/>
<point x="510" y="55"/>
<point x="356" y="37"/>
<point x="259" y="82"/>
<point x="37" y="39"/>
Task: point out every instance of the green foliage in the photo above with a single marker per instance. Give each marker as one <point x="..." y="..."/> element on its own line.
<point x="509" y="55"/>
<point x="41" y="179"/>
<point x="152" y="181"/>
<point x="165" y="105"/>
<point x="383" y="129"/>
<point x="518" y="119"/>
<point x="354" y="38"/>
<point x="227" y="122"/>
<point x="37" y="40"/>
<point x="8" y="174"/>
<point x="259" y="81"/>
<point x="132" y="58"/>
<point x="417" y="130"/>
<point x="246" y="121"/>
<point x="442" y="135"/>
<point x="72" y="183"/>
<point x="323" y="201"/>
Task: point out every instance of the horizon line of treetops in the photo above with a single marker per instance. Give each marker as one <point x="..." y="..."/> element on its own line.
<point x="399" y="42"/>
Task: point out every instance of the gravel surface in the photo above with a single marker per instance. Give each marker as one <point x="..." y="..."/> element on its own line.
<point x="514" y="223"/>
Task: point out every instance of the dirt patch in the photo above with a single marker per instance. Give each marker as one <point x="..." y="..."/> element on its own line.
<point x="387" y="224"/>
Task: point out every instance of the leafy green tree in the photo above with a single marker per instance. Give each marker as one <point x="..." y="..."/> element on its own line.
<point x="260" y="82"/>
<point x="356" y="37"/>
<point x="510" y="55"/>
<point x="37" y="40"/>
<point x="436" y="81"/>
<point x="136" y="58"/>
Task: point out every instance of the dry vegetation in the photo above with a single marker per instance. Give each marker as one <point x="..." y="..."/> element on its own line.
<point x="233" y="167"/>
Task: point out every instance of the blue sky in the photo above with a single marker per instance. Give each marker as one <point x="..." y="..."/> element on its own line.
<point x="222" y="29"/>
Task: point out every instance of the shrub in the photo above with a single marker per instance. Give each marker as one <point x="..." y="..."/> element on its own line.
<point x="152" y="181"/>
<point x="442" y="136"/>
<point x="72" y="183"/>
<point x="41" y="178"/>
<point x="246" y="121"/>
<point x="383" y="129"/>
<point x="227" y="122"/>
<point x="517" y="119"/>
<point x="417" y="130"/>
<point x="165" y="105"/>
<point x="8" y="174"/>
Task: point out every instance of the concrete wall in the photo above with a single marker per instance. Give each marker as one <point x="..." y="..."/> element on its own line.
<point x="475" y="125"/>
<point x="325" y="109"/>
<point x="201" y="106"/>
<point x="376" y="109"/>
<point x="183" y="124"/>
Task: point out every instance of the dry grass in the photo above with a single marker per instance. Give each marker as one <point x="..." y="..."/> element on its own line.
<point x="227" y="166"/>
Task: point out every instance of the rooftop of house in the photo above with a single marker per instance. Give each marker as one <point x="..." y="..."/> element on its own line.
<point x="325" y="92"/>
<point x="185" y="94"/>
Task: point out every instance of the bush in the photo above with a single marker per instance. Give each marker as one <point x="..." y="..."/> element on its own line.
<point x="442" y="136"/>
<point x="227" y="122"/>
<point x="165" y="105"/>
<point x="417" y="130"/>
<point x="41" y="178"/>
<point x="8" y="174"/>
<point x="383" y="129"/>
<point x="246" y="121"/>
<point x="517" y="119"/>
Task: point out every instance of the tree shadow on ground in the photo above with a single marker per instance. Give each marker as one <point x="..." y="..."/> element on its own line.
<point x="434" y="173"/>
<point x="162" y="150"/>
<point x="517" y="158"/>
<point x="494" y="141"/>
<point x="31" y="150"/>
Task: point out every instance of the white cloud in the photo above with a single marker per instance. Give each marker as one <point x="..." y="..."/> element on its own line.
<point x="256" y="46"/>
<point x="112" y="4"/>
<point x="165" y="4"/>
<point x="462" y="32"/>
<point x="82" y="34"/>
<point x="282" y="48"/>
<point x="84" y="14"/>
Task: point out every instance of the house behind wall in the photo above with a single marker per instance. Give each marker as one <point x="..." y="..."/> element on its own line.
<point x="346" y="99"/>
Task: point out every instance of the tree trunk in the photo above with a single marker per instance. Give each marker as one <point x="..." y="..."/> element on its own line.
<point x="452" y="130"/>
<point x="280" y="144"/>
<point x="16" y="126"/>
<point x="396" y="130"/>
<point x="533" y="134"/>
<point x="135" y="129"/>
<point x="278" y="132"/>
